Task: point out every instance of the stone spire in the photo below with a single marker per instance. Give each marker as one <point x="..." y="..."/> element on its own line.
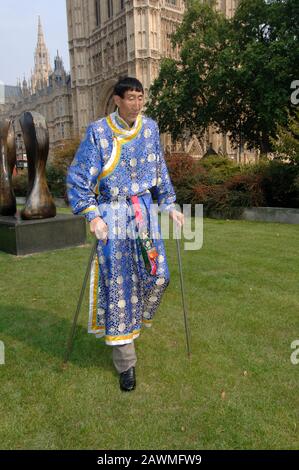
<point x="59" y="76"/>
<point x="25" y="89"/>
<point x="58" y="63"/>
<point x="42" y="67"/>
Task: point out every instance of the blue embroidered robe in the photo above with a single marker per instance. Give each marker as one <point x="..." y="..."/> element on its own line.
<point x="113" y="163"/>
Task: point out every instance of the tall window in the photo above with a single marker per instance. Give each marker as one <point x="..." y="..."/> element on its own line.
<point x="110" y="8"/>
<point x="98" y="12"/>
<point x="122" y="4"/>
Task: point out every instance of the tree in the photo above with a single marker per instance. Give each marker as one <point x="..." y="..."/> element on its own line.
<point x="64" y="155"/>
<point x="286" y="144"/>
<point x="57" y="168"/>
<point x="234" y="74"/>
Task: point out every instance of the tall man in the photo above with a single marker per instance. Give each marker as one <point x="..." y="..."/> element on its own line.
<point x="117" y="168"/>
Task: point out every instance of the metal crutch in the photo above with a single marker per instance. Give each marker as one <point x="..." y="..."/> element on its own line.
<point x="72" y="332"/>
<point x="183" y="292"/>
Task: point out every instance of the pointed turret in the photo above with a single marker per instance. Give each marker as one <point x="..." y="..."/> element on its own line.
<point x="58" y="77"/>
<point x="25" y="89"/>
<point x="42" y="67"/>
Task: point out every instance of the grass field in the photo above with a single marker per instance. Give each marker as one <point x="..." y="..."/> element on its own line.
<point x="239" y="390"/>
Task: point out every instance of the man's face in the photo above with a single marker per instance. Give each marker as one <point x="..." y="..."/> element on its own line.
<point x="130" y="105"/>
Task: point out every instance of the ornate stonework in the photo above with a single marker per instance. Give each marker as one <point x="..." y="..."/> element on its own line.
<point x="108" y="39"/>
<point x="47" y="92"/>
<point x="42" y="67"/>
<point x="113" y="38"/>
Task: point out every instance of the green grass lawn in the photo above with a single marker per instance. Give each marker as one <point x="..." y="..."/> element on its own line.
<point x="239" y="390"/>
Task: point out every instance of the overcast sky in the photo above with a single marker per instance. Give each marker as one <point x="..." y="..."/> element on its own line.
<point x="18" y="35"/>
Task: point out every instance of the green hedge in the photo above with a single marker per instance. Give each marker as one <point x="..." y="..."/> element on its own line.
<point x="55" y="179"/>
<point x="222" y="186"/>
<point x="20" y="184"/>
<point x="216" y="182"/>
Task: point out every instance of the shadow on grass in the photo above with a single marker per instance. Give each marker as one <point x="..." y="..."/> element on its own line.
<point x="49" y="333"/>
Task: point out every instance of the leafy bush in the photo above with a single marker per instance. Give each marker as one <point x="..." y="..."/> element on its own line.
<point x="185" y="173"/>
<point x="222" y="186"/>
<point x="286" y="143"/>
<point x="245" y="190"/>
<point x="56" y="181"/>
<point x="213" y="197"/>
<point x="56" y="171"/>
<point x="64" y="155"/>
<point x="280" y="184"/>
<point x="20" y="185"/>
<point x="219" y="169"/>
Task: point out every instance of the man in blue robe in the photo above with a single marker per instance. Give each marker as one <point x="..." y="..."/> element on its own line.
<point x="116" y="170"/>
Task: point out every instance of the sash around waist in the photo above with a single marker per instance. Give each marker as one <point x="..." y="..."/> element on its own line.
<point x="101" y="198"/>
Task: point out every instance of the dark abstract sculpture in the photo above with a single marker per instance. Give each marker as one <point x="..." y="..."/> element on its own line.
<point x="7" y="163"/>
<point x="39" y="203"/>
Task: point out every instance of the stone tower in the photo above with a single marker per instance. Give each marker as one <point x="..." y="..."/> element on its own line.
<point x="113" y="38"/>
<point x="109" y="39"/>
<point x="42" y="67"/>
<point x="228" y="7"/>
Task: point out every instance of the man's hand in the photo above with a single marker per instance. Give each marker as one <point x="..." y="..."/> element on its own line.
<point x="99" y="228"/>
<point x="177" y="217"/>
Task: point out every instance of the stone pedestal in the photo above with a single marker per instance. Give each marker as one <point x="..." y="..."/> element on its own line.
<point x="23" y="237"/>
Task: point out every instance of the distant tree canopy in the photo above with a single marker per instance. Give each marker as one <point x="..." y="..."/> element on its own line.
<point x="286" y="144"/>
<point x="64" y="155"/>
<point x="235" y="74"/>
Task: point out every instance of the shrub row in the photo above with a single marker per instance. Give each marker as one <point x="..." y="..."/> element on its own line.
<point x="216" y="182"/>
<point x="55" y="179"/>
<point x="222" y="186"/>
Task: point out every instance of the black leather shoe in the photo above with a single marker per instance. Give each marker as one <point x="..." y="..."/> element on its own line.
<point x="127" y="380"/>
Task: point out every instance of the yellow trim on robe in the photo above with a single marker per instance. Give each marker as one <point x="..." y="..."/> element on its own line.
<point x="124" y="132"/>
<point x="120" y="338"/>
<point x="114" y="163"/>
<point x="89" y="209"/>
<point x="121" y="122"/>
<point x="118" y="142"/>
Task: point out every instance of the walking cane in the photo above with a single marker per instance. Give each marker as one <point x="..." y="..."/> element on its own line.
<point x="183" y="291"/>
<point x="72" y="332"/>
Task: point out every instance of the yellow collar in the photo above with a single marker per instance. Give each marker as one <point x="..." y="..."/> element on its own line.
<point x="118" y="130"/>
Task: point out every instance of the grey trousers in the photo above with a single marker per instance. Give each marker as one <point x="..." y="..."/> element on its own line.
<point x="124" y="357"/>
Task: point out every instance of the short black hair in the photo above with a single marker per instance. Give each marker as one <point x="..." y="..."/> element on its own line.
<point x="127" y="84"/>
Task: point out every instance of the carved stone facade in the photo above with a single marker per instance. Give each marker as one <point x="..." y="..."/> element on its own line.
<point x="47" y="92"/>
<point x="42" y="67"/>
<point x="113" y="38"/>
<point x="109" y="39"/>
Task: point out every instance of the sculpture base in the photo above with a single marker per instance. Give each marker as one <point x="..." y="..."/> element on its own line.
<point x="23" y="237"/>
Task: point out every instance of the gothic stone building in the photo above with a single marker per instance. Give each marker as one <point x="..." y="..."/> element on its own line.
<point x="113" y="38"/>
<point x="108" y="39"/>
<point x="47" y="92"/>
